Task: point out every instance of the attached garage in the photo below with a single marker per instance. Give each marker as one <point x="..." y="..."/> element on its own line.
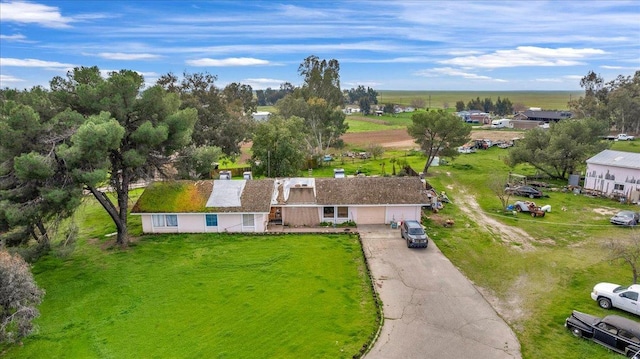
<point x="403" y="213"/>
<point x="370" y="215"/>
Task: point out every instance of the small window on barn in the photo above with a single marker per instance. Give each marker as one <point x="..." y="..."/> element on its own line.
<point x="329" y="212"/>
<point x="248" y="220"/>
<point x="343" y="212"/>
<point x="212" y="220"/>
<point x="618" y="187"/>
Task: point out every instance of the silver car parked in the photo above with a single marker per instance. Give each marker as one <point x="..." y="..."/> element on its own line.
<point x="413" y="233"/>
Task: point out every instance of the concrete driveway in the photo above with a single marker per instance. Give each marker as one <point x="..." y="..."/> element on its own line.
<point x="430" y="309"/>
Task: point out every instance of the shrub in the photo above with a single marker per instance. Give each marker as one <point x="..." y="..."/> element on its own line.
<point x="19" y="295"/>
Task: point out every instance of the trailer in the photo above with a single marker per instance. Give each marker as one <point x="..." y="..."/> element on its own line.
<point x="501" y="123"/>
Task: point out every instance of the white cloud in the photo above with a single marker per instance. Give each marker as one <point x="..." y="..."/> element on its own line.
<point x="16" y="37"/>
<point x="263" y="83"/>
<point x="353" y="84"/>
<point x="30" y="13"/>
<point x="9" y="78"/>
<point x="231" y="61"/>
<point x="573" y="77"/>
<point x="125" y="56"/>
<point x="395" y="60"/>
<point x="610" y="67"/>
<point x="8" y="61"/>
<point x="525" y="56"/>
<point x="448" y="71"/>
<point x="548" y="80"/>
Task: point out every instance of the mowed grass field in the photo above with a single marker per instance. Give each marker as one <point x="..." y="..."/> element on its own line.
<point x="202" y="296"/>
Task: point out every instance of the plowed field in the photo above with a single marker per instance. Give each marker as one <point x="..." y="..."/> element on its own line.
<point x="400" y="139"/>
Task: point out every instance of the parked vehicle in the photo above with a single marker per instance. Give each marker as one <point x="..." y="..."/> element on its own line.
<point x="610" y="295"/>
<point x="466" y="149"/>
<point x="617" y="333"/>
<point x="501" y="123"/>
<point x="626" y="218"/>
<point x="620" y="137"/>
<point x="531" y="207"/>
<point x="413" y="233"/>
<point x="526" y="191"/>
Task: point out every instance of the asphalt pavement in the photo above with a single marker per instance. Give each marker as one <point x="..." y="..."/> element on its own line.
<point x="431" y="310"/>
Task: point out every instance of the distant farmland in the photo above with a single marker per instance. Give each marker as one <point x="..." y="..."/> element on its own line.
<point x="547" y="100"/>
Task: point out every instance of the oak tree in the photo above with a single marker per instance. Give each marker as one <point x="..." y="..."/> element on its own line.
<point x="438" y="133"/>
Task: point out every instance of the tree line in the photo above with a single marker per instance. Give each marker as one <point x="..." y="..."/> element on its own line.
<point x="501" y="107"/>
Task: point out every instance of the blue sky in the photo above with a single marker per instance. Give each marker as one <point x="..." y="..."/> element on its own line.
<point x="387" y="45"/>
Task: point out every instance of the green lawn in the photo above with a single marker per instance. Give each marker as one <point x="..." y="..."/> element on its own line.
<point x="204" y="296"/>
<point x="229" y="296"/>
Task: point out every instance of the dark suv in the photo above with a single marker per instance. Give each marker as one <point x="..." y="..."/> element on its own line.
<point x="413" y="232"/>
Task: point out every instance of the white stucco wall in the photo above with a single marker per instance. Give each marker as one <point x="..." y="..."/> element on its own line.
<point x="196" y="223"/>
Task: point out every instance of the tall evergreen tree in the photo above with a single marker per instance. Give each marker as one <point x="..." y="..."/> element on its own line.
<point x="36" y="190"/>
<point x="130" y="134"/>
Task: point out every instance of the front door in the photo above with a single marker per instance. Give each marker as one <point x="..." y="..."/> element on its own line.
<point x="606" y="334"/>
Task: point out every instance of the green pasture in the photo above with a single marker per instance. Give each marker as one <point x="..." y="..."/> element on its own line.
<point x="548" y="100"/>
<point x="361" y="123"/>
<point x="202" y="296"/>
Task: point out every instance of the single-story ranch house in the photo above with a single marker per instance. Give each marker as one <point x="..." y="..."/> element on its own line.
<point x="614" y="173"/>
<point x="252" y="205"/>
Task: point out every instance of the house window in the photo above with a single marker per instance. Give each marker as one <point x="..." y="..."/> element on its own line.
<point x="329" y="212"/>
<point x="248" y="220"/>
<point x="165" y="220"/>
<point x="343" y="212"/>
<point x="212" y="220"/>
<point x="618" y="187"/>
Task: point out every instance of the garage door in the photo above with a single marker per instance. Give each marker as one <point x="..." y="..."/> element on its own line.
<point x="370" y="215"/>
<point x="403" y="213"/>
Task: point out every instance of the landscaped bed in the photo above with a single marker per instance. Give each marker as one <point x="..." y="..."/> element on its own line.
<point x="206" y="296"/>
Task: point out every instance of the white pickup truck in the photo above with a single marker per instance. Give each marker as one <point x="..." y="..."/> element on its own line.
<point x="624" y="137"/>
<point x="609" y="295"/>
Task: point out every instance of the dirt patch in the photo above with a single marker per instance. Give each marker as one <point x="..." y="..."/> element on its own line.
<point x="607" y="211"/>
<point x="508" y="234"/>
<point x="510" y="309"/>
<point x="400" y="139"/>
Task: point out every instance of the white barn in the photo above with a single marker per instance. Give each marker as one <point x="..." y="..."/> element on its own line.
<point x="614" y="173"/>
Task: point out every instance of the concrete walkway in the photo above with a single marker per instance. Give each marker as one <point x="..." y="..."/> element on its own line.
<point x="431" y="310"/>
